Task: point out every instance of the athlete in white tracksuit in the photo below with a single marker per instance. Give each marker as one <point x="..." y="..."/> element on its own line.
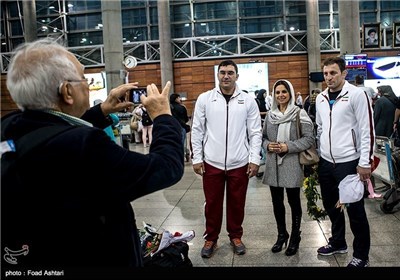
<point x="226" y="141"/>
<point x="346" y="140"/>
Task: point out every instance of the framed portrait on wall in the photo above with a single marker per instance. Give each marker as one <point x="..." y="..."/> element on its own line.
<point x="396" y="34"/>
<point x="371" y="35"/>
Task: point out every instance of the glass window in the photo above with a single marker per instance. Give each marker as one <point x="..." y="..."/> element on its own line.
<point x="15" y="42"/>
<point x="130" y="4"/>
<point x="215" y="28"/>
<point x="15" y="8"/>
<point x="47" y="8"/>
<point x="323" y="5"/>
<point x="387" y="18"/>
<point x="296" y="23"/>
<point x="134" y="17"/>
<point x="85" y="38"/>
<point x="390" y="5"/>
<point x="367" y="6"/>
<point x="83" y="6"/>
<point x="46" y="25"/>
<point x="134" y="34"/>
<point x="153" y="15"/>
<point x="181" y="30"/>
<point x="16" y="28"/>
<point x="216" y="10"/>
<point x="83" y="21"/>
<point x="367" y="17"/>
<point x="325" y="22"/>
<point x="295" y="7"/>
<point x="260" y="8"/>
<point x="154" y="33"/>
<point x="261" y="25"/>
<point x="180" y="13"/>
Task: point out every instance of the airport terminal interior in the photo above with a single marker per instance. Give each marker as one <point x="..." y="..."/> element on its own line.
<point x="277" y="34"/>
<point x="180" y="209"/>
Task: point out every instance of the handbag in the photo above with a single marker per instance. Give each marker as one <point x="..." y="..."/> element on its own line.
<point x="309" y="156"/>
<point x="134" y="123"/>
<point x="187" y="128"/>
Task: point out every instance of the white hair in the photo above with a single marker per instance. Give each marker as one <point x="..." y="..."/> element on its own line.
<point x="36" y="71"/>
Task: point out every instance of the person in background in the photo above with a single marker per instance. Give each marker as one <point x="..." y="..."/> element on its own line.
<point x="179" y="111"/>
<point x="79" y="214"/>
<point x="283" y="170"/>
<point x="359" y="82"/>
<point x="299" y="100"/>
<point x="384" y="111"/>
<point x="346" y="143"/>
<point x="311" y="109"/>
<point x="147" y="124"/>
<point x="136" y="133"/>
<point x="109" y="130"/>
<point x="260" y="99"/>
<point x="268" y="101"/>
<point x="226" y="142"/>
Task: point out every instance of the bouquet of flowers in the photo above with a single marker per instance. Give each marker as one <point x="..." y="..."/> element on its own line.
<point x="310" y="190"/>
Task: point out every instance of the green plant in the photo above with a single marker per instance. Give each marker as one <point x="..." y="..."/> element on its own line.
<point x="311" y="192"/>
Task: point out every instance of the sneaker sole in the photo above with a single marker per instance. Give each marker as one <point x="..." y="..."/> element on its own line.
<point x="210" y="255"/>
<point x="333" y="253"/>
<point x="238" y="253"/>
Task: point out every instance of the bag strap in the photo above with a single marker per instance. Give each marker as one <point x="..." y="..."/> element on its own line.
<point x="37" y="137"/>
<point x="298" y="125"/>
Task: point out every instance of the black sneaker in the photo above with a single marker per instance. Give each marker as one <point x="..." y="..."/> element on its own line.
<point x="329" y="250"/>
<point x="358" y="263"/>
<point x="208" y="249"/>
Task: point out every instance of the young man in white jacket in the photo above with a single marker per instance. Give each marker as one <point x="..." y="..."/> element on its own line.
<point x="226" y="141"/>
<point x="346" y="140"/>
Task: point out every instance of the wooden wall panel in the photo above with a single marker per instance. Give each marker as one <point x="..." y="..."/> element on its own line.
<point x="195" y="77"/>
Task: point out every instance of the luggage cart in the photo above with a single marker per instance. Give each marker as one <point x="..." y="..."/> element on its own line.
<point x="388" y="171"/>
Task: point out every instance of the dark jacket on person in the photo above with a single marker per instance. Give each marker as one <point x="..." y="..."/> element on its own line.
<point x="260" y="99"/>
<point x="384" y="111"/>
<point x="179" y="112"/>
<point x="73" y="205"/>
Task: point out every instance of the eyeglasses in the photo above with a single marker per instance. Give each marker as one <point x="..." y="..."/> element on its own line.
<point x="76" y="81"/>
<point x="70" y="81"/>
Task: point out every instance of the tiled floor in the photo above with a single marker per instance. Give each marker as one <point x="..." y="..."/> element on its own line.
<point x="180" y="208"/>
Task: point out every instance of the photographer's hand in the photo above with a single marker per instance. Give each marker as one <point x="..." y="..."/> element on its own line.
<point x="117" y="99"/>
<point x="157" y="103"/>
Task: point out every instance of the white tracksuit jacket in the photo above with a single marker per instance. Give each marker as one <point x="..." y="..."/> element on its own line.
<point x="226" y="135"/>
<point x="346" y="132"/>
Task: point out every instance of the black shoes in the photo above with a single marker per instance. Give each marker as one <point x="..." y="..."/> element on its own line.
<point x="282" y="239"/>
<point x="293" y="244"/>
